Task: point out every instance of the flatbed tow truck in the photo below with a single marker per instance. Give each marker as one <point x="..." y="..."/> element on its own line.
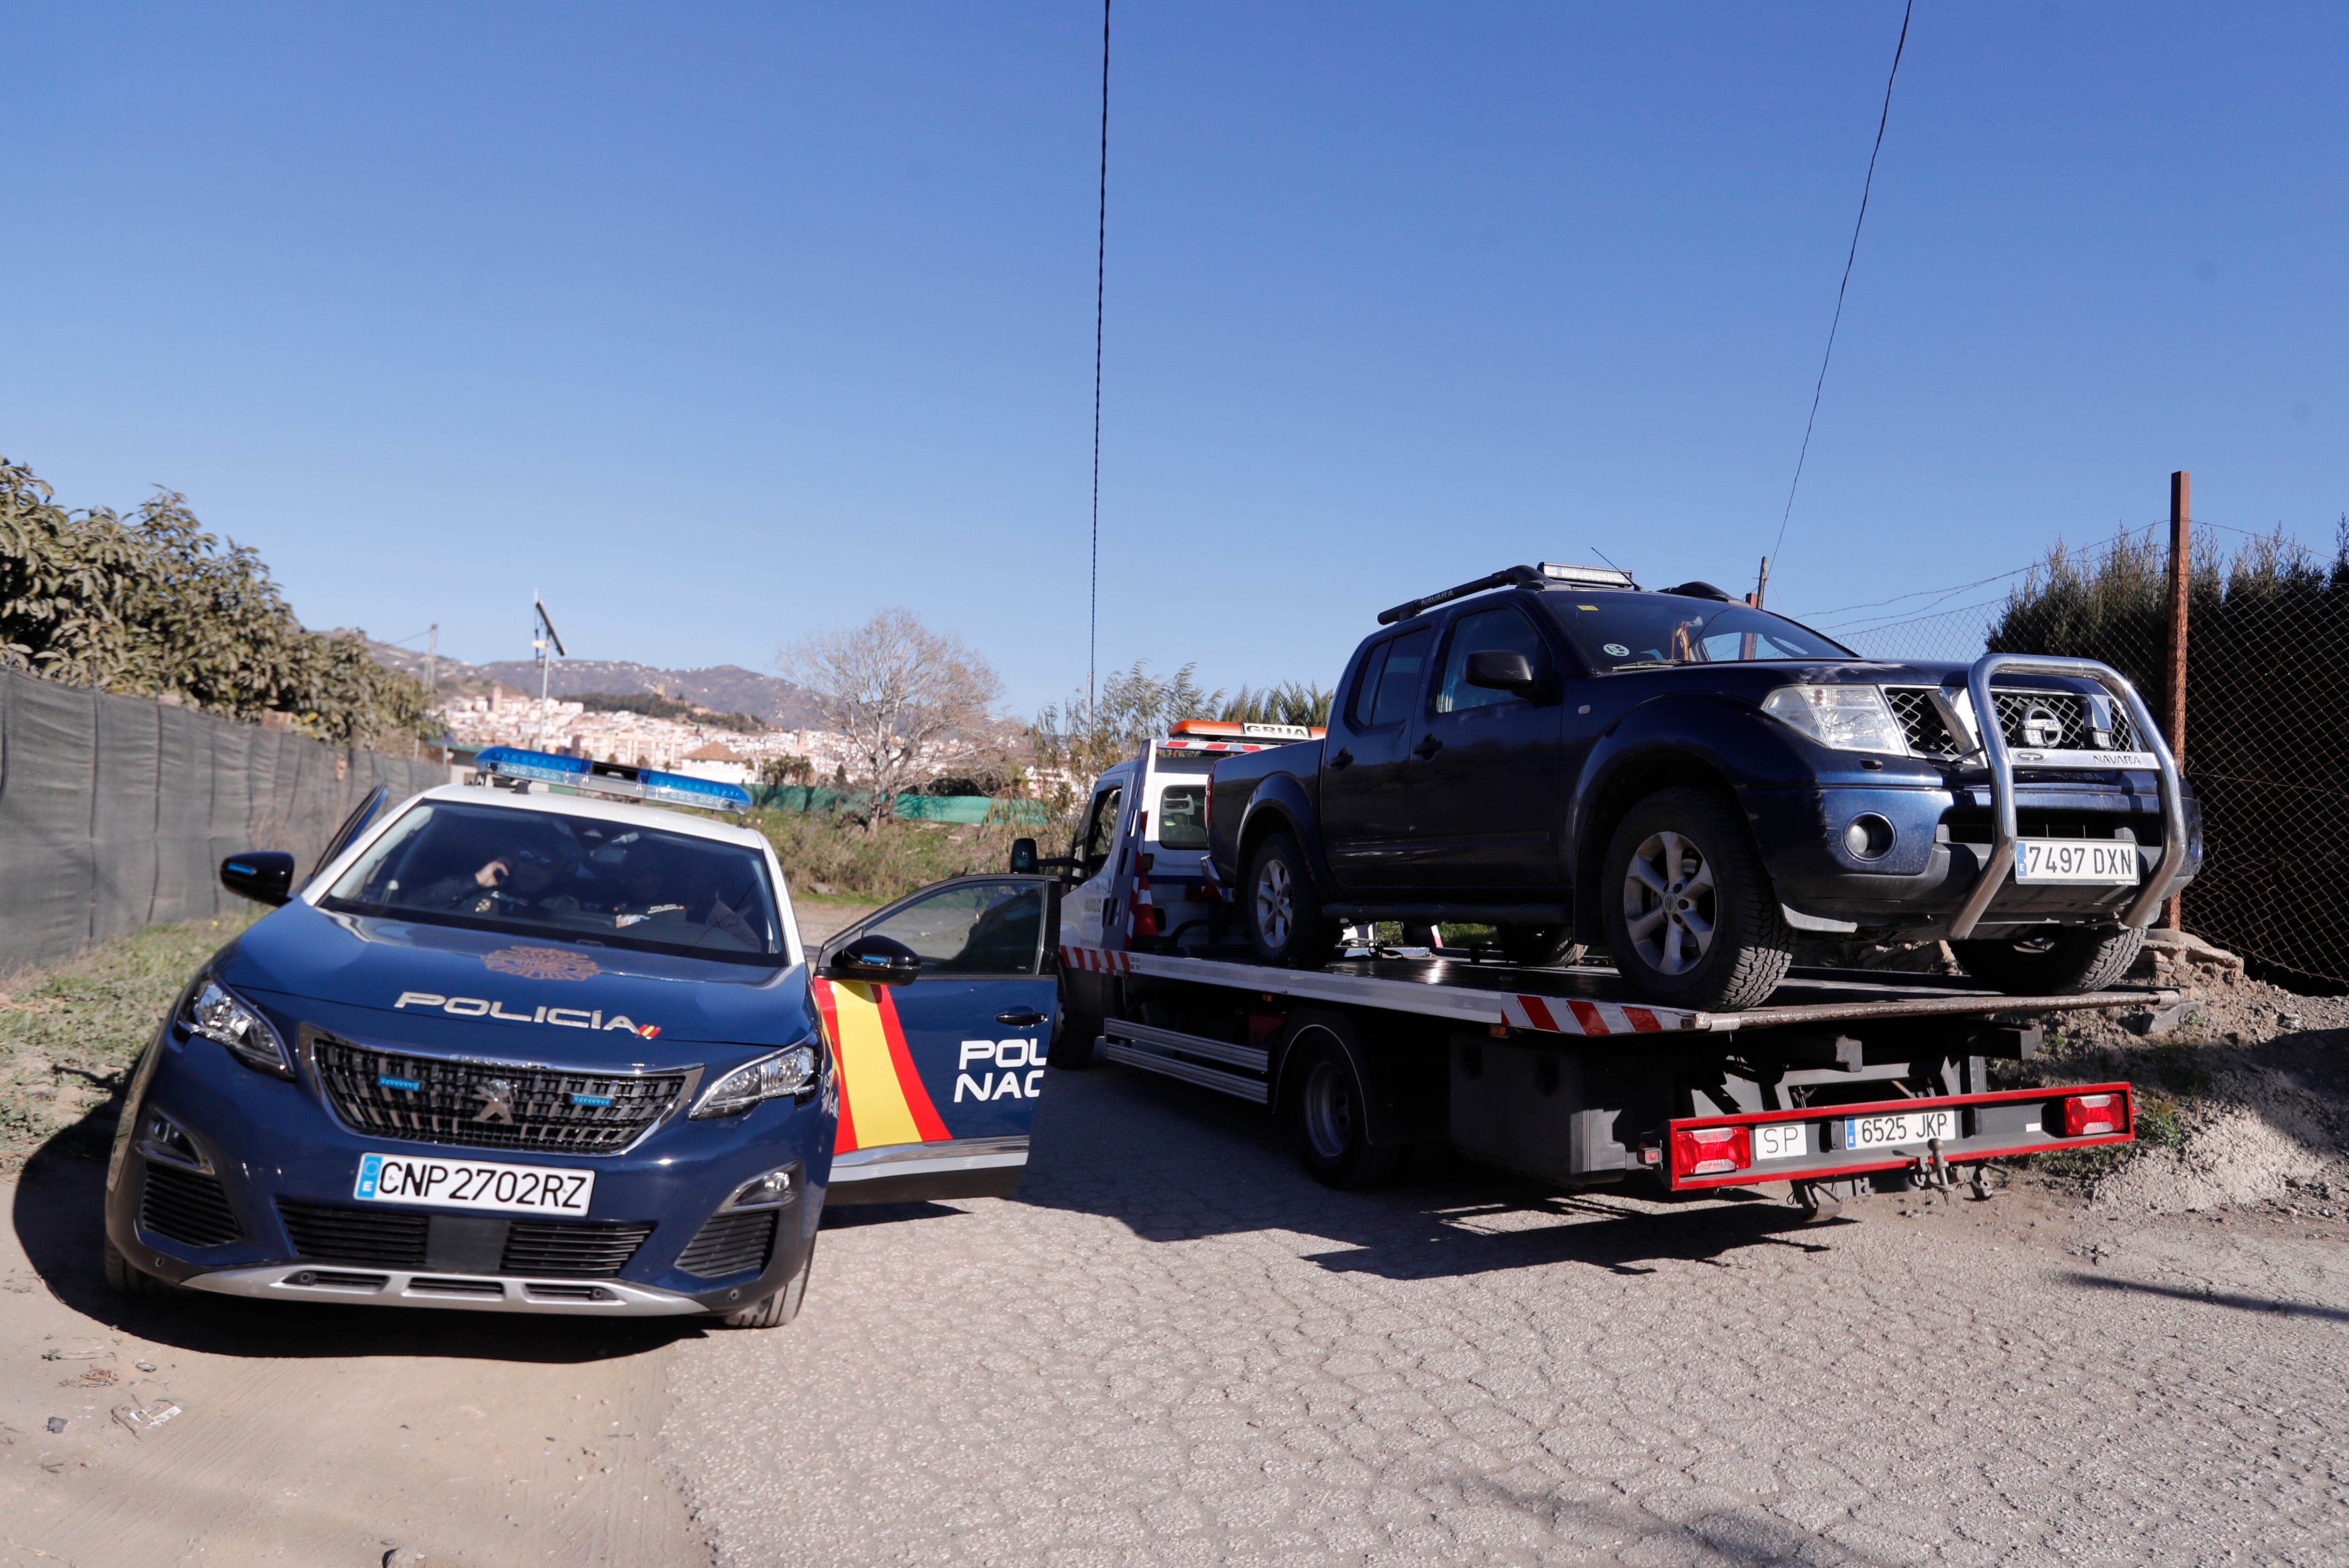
<point x="1845" y="1081"/>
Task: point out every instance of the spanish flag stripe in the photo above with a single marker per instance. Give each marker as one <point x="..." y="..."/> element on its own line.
<point x="868" y="1072"/>
<point x="846" y="1138"/>
<point x="909" y="1081"/>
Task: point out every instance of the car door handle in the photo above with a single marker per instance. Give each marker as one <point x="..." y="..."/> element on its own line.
<point x="1427" y="748"/>
<point x="1344" y="758"/>
<point x="1020" y="1018"/>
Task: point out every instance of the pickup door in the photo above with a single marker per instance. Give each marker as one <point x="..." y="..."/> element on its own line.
<point x="1488" y="778"/>
<point x="939" y="1079"/>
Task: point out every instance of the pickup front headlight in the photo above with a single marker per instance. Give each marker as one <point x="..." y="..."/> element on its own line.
<point x="218" y="1014"/>
<point x="1840" y="717"/>
<point x="789" y="1071"/>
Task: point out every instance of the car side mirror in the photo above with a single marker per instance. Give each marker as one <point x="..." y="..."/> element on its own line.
<point x="1503" y="669"/>
<point x="265" y="876"/>
<point x="877" y="960"/>
<point x="1023" y="856"/>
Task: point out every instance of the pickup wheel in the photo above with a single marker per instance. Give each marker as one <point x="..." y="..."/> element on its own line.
<point x="1327" y="1117"/>
<point x="1283" y="913"/>
<point x="2061" y="961"/>
<point x="1690" y="918"/>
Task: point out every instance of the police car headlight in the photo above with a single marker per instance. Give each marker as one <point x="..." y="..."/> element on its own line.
<point x="787" y="1072"/>
<point x="218" y="1014"/>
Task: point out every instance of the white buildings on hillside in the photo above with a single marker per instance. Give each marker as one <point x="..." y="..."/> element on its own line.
<point x="704" y="750"/>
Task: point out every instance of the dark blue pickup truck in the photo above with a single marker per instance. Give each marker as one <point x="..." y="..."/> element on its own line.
<point x="1695" y="783"/>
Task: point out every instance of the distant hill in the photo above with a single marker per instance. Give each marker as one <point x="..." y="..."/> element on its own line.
<point x="729" y="688"/>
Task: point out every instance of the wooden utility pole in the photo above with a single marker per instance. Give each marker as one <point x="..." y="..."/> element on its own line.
<point x="1761" y="587"/>
<point x="2181" y="558"/>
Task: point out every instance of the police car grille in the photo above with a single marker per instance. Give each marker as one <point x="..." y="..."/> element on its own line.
<point x="187" y="1207"/>
<point x="384" y="1237"/>
<point x="558" y="1113"/>
<point x="729" y="1244"/>
<point x="551" y="1249"/>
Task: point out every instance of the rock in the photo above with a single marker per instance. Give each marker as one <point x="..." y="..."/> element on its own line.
<point x="2184" y="949"/>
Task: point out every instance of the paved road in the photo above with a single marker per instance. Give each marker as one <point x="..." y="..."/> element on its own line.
<point x="1172" y="1349"/>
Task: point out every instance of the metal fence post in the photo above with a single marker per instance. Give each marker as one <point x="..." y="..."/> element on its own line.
<point x="2182" y="484"/>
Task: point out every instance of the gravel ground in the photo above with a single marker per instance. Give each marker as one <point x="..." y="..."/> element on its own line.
<point x="1173" y="1348"/>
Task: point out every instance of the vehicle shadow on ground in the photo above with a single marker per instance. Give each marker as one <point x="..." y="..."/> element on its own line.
<point x="59" y="1220"/>
<point x="2275" y="1305"/>
<point x="1176" y="1163"/>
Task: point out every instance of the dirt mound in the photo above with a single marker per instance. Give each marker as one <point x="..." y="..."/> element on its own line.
<point x="2244" y="1101"/>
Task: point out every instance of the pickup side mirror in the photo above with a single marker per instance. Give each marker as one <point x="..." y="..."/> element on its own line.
<point x="1503" y="669"/>
<point x="1023" y="856"/>
<point x="265" y="876"/>
<point x="877" y="960"/>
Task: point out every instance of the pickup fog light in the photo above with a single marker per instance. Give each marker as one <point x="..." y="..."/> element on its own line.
<point x="2085" y="1115"/>
<point x="1840" y="717"/>
<point x="1868" y="838"/>
<point x="1710" y="1150"/>
<point x="772" y="1191"/>
<point x="218" y="1014"/>
<point x="787" y="1072"/>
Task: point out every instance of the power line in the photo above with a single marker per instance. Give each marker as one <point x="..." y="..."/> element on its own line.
<point x="1101" y="279"/>
<point x="1865" y="188"/>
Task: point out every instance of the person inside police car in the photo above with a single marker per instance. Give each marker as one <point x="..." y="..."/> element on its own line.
<point x="531" y="873"/>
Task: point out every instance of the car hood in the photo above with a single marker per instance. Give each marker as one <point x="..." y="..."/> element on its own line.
<point x="527" y="993"/>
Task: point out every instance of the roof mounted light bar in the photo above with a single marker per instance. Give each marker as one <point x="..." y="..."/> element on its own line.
<point x="1515" y="577"/>
<point x="614" y="778"/>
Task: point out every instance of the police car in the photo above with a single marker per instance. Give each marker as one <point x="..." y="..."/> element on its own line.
<point x="549" y="1043"/>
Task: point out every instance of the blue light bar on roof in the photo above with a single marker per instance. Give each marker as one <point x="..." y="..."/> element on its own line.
<point x="612" y="778"/>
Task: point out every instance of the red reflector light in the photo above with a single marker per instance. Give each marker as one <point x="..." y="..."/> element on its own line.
<point x="2086" y="1115"/>
<point x="1710" y="1150"/>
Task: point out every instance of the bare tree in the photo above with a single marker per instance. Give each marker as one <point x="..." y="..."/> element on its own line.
<point x="906" y="696"/>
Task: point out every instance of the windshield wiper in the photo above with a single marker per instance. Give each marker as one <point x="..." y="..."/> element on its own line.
<point x="1648" y="664"/>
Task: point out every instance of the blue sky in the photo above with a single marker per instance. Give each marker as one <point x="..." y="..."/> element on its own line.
<point x="716" y="324"/>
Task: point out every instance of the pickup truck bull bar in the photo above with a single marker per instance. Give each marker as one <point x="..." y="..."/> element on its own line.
<point x="1990" y="741"/>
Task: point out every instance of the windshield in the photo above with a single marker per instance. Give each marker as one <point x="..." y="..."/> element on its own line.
<point x="612" y="884"/>
<point x="1619" y="631"/>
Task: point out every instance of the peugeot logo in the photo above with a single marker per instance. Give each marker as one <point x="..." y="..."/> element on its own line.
<point x="2041" y="727"/>
<point x="497" y="1100"/>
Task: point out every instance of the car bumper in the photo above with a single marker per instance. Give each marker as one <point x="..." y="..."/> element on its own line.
<point x="1934" y="859"/>
<point x="272" y="1154"/>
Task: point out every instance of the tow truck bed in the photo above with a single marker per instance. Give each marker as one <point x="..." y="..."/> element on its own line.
<point x="1843" y="1078"/>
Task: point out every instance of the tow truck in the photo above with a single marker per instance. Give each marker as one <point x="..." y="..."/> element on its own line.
<point x="1843" y="1081"/>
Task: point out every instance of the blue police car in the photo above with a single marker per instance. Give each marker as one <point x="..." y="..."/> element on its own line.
<point x="547" y="1044"/>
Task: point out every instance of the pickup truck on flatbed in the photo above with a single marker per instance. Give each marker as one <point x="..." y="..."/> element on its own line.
<point x="1692" y="782"/>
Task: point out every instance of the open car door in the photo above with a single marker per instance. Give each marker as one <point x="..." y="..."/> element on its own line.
<point x="938" y="1078"/>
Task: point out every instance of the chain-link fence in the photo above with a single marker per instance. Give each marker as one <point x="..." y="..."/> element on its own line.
<point x="2267" y="710"/>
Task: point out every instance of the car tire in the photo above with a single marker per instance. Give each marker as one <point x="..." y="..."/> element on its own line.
<point x="1326" y="1115"/>
<point x="2062" y="961"/>
<point x="127" y="1280"/>
<point x="1281" y="908"/>
<point x="1705" y="929"/>
<point x="781" y="1307"/>
<point x="1540" y="946"/>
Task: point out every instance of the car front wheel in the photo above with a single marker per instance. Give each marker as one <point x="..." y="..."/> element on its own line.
<point x="1284" y="922"/>
<point x="2060" y="960"/>
<point x="1692" y="919"/>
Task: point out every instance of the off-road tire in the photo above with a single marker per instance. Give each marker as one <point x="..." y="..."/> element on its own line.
<point x="1323" y="1101"/>
<point x="1540" y="946"/>
<point x="781" y="1307"/>
<point x="1750" y="944"/>
<point x="1278" y="893"/>
<point x="126" y="1280"/>
<point x="2064" y="962"/>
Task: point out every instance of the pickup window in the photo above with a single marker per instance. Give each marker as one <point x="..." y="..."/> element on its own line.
<point x="1487" y="631"/>
<point x="1390" y="680"/>
<point x="1618" y="631"/>
<point x="1183" y="817"/>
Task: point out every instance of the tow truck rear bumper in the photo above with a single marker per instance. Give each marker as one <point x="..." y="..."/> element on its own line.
<point x="1821" y="1143"/>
